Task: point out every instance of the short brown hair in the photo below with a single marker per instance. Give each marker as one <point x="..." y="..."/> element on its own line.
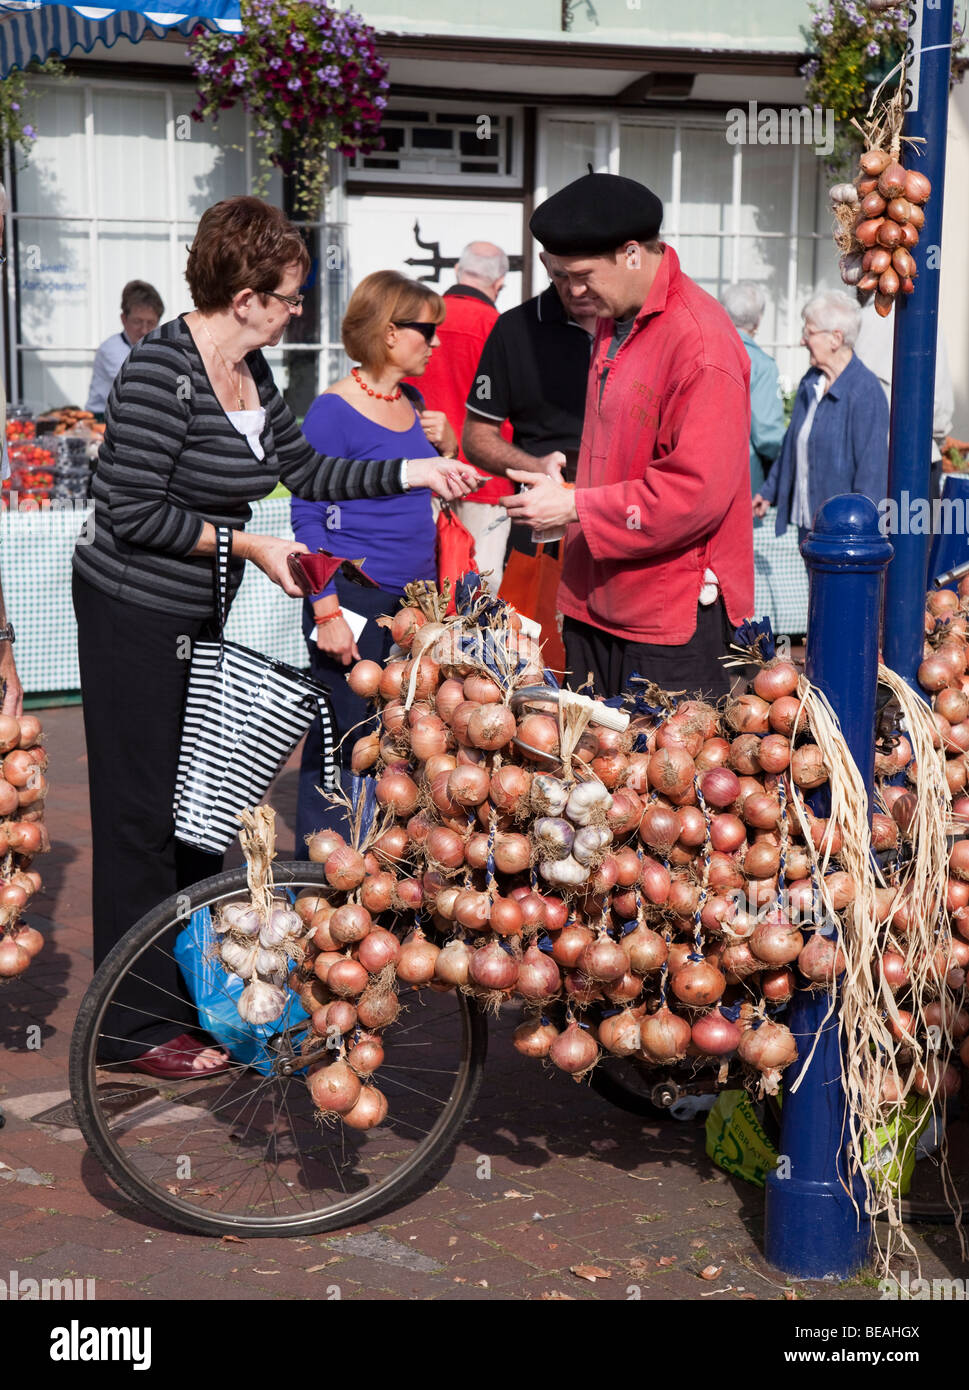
<point x="241" y="243"/>
<point x="381" y="298"/>
<point x="139" y="292"/>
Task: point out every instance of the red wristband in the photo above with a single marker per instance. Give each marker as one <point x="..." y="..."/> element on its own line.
<point x="328" y="618"/>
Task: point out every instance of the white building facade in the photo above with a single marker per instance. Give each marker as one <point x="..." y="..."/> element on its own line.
<point x="491" y="109"/>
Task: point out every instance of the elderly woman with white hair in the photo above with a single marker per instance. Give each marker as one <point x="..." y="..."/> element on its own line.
<point x="838" y="437"/>
<point x="744" y="302"/>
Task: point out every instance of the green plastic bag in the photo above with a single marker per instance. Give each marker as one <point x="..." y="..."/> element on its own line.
<point x="735" y="1140"/>
<point x="905" y="1130"/>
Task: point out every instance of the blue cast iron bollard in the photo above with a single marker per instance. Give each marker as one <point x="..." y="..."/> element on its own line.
<point x="811" y="1226"/>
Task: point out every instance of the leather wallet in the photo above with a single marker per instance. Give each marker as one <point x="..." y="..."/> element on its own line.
<point x="313" y="571"/>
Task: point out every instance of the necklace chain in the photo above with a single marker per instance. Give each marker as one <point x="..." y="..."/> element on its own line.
<point x="228" y="372"/>
<point x="377" y="395"/>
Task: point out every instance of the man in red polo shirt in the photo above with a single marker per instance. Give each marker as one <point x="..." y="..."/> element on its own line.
<point x="471" y="314"/>
<point x="659" y="554"/>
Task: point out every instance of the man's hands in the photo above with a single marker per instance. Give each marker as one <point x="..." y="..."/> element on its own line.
<point x="544" y="505"/>
<point x="761" y="505"/>
<point x="439" y="432"/>
<point x="269" y="553"/>
<point x="452" y="480"/>
<point x="553" y="465"/>
<point x="13" y="699"/>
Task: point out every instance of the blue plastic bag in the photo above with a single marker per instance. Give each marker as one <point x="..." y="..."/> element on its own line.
<point x="215" y="993"/>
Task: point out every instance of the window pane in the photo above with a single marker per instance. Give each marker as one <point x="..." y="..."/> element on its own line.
<point x="646" y="154"/>
<point x="211" y="164"/>
<point x="52" y="379"/>
<point x="131" y="146"/>
<point x="765" y="189"/>
<point x="571" y="146"/>
<point x="765" y="261"/>
<point x="707" y="182"/>
<point x="57" y="179"/>
<point x="138" y="251"/>
<point x="814" y="211"/>
<point x="54" y="283"/>
<point x="706" y="259"/>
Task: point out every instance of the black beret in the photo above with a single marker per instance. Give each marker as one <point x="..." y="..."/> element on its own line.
<point x="596" y="213"/>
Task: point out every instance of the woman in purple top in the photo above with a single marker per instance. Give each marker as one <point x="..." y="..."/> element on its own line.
<point x="390" y="329"/>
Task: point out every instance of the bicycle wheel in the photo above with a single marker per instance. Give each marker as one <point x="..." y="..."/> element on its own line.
<point x="243" y="1151"/>
<point x="627" y="1084"/>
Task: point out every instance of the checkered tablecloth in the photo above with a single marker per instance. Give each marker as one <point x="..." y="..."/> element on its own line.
<point x="35" y="564"/>
<point x="780" y="577"/>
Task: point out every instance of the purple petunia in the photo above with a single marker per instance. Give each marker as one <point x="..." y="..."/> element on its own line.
<point x="873" y="49"/>
<point x="30" y="133"/>
<point x="294" y="84"/>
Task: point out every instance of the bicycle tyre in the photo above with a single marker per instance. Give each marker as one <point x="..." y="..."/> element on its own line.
<point x="460" y="1018"/>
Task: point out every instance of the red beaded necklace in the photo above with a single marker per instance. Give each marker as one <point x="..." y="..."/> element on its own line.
<point x="377" y="395"/>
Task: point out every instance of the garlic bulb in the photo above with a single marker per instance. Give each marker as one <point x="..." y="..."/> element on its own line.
<point x="564" y="873"/>
<point x="590" y="841"/>
<point x="241" y="918"/>
<point x="239" y="956"/>
<point x="280" y="924"/>
<point x="553" y="836"/>
<point x="585" y="799"/>
<point x="269" y="961"/>
<point x="851" y="267"/>
<point x="261" y="1002"/>
<point x="843" y="193"/>
<point x="549" y="794"/>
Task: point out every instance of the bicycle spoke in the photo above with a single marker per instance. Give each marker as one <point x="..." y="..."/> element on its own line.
<point x="256" y="1153"/>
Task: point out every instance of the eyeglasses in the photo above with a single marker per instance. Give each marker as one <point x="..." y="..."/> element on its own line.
<point x="813" y="332"/>
<point x="426" y="330"/>
<point x="294" y="301"/>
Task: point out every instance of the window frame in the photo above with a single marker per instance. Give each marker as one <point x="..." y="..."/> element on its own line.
<point x="607" y="126"/>
<point x="95" y="219"/>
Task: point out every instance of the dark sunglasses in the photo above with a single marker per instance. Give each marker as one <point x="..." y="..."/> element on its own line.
<point x="426" y="330"/>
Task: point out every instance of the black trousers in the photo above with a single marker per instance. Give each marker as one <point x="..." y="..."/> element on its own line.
<point x="349" y="710"/>
<point x="134" y="676"/>
<point x="694" y="666"/>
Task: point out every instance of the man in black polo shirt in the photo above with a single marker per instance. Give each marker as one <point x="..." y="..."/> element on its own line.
<point x="533" y="373"/>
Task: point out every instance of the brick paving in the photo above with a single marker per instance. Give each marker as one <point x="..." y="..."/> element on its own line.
<point x="572" y="1181"/>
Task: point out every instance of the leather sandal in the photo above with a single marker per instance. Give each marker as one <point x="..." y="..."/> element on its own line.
<point x="172" y="1061"/>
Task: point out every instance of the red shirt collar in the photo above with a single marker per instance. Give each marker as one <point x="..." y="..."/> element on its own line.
<point x="666" y="278"/>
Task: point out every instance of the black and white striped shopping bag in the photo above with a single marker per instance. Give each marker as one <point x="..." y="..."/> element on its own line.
<point x="244" y="715"/>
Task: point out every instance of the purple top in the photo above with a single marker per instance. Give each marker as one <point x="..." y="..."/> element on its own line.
<point x="396" y="536"/>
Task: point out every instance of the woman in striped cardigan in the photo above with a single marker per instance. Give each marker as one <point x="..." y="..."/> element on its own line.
<point x="196" y="431"/>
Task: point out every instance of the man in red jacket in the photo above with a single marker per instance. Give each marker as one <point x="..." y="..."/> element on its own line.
<point x="659" y="551"/>
<point x="446" y="385"/>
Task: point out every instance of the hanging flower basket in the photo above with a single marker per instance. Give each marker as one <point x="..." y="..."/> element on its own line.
<point x="311" y="79"/>
<point x="854" y="44"/>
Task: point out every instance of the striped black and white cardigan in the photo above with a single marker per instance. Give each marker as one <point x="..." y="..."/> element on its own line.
<point x="171" y="460"/>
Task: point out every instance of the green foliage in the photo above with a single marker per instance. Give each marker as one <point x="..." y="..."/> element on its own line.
<point x="16" y="103"/>
<point x="311" y="79"/>
<point x="854" y="44"/>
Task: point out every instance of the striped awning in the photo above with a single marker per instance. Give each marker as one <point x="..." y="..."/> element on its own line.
<point x="34" y="29"/>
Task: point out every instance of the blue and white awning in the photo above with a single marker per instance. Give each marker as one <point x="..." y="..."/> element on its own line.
<point x="33" y="29"/>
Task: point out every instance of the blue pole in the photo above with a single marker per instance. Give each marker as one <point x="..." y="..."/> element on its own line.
<point x="811" y="1228"/>
<point x="916" y="324"/>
